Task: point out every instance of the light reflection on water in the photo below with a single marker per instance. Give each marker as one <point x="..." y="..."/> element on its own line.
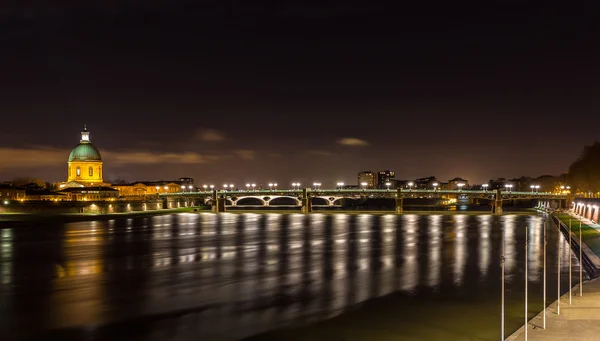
<point x="265" y="270"/>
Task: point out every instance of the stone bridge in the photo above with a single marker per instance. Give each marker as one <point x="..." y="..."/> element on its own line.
<point x="308" y="198"/>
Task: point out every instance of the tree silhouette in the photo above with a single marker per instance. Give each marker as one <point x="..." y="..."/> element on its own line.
<point x="584" y="173"/>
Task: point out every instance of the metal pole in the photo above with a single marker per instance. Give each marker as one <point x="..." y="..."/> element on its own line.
<point x="558" y="271"/>
<point x="580" y="262"/>
<point x="570" y="264"/>
<point x="526" y="266"/>
<point x="502" y="266"/>
<point x="545" y="225"/>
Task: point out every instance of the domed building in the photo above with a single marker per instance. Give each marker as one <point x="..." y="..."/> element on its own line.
<point x="85" y="164"/>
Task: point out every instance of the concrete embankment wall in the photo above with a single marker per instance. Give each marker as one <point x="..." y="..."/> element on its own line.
<point x="120" y="206"/>
<point x="590" y="261"/>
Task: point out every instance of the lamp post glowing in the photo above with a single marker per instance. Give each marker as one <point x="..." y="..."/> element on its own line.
<point x="183" y="188"/>
<point x="526" y="280"/>
<point x="253" y="185"/>
<point x="271" y="186"/>
<point x="157" y="189"/>
<point x="580" y="260"/>
<point x="190" y="187"/>
<point x="340" y="185"/>
<point x="545" y="242"/>
<point x="364" y="185"/>
<point x="558" y="271"/>
<point x="166" y="188"/>
<point x="460" y="186"/>
<point x="212" y="187"/>
<point x="275" y="185"/>
<point x="435" y="184"/>
<point x="388" y="184"/>
<point x="410" y="184"/>
<point x="317" y="185"/>
<point x="532" y="188"/>
<point x="204" y="186"/>
<point x="537" y="188"/>
<point x="485" y="187"/>
<point x="247" y="187"/>
<point x="570" y="263"/>
<point x="502" y="261"/>
<point x="508" y="187"/>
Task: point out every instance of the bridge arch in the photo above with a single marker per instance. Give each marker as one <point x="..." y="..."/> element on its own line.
<point x="284" y="200"/>
<point x="250" y="201"/>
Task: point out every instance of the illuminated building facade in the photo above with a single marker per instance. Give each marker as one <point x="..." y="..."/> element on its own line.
<point x="84" y="164"/>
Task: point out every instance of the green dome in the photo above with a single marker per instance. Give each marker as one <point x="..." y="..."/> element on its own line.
<point x="85" y="151"/>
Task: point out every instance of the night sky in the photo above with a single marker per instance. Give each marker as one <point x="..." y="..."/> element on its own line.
<point x="227" y="91"/>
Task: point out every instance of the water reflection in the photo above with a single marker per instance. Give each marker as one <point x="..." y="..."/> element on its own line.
<point x="460" y="248"/>
<point x="234" y="275"/>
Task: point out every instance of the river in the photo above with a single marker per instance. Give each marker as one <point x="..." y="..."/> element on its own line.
<point x="230" y="276"/>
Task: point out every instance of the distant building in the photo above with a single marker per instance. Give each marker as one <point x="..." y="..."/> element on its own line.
<point x="453" y="184"/>
<point x="186" y="181"/>
<point x="143" y="188"/>
<point x="386" y="176"/>
<point x="90" y="193"/>
<point x="84" y="164"/>
<point x="426" y="183"/>
<point x="10" y="192"/>
<point x="367" y="177"/>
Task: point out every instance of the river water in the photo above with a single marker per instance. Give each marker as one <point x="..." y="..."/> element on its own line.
<point x="231" y="276"/>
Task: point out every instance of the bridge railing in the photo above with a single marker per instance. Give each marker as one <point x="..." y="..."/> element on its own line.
<point x="364" y="191"/>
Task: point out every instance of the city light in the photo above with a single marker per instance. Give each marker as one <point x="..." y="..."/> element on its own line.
<point x="485" y="187"/>
<point x="364" y="185"/>
<point x="508" y="187"/>
<point x="317" y="185"/>
<point x="296" y="185"/>
<point x="537" y="188"/>
<point x="410" y="184"/>
<point x="253" y="185"/>
<point x="435" y="185"/>
<point x="460" y="186"/>
<point x="340" y="185"/>
<point x="388" y="184"/>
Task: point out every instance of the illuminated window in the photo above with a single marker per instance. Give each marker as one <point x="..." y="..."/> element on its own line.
<point x="91" y="171"/>
<point x="78" y="171"/>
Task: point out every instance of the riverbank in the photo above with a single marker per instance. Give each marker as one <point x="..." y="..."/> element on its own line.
<point x="579" y="321"/>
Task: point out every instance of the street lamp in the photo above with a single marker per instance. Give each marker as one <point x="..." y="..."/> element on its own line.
<point x="271" y="186"/>
<point x="190" y="187"/>
<point x="410" y="184"/>
<point x="508" y="187"/>
<point x="435" y="184"/>
<point x="166" y="188"/>
<point x="388" y="184"/>
<point x="532" y="187"/>
<point x="212" y="187"/>
<point x="317" y="185"/>
<point x="460" y="186"/>
<point x="537" y="188"/>
<point x="253" y="185"/>
<point x="204" y="186"/>
<point x="247" y="187"/>
<point x="157" y="189"/>
<point x="275" y="185"/>
<point x="485" y="186"/>
<point x="183" y="188"/>
<point x="364" y="185"/>
<point x="340" y="185"/>
<point x="231" y="187"/>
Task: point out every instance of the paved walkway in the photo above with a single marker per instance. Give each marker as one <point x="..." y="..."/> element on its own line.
<point x="577" y="322"/>
<point x="584" y="220"/>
